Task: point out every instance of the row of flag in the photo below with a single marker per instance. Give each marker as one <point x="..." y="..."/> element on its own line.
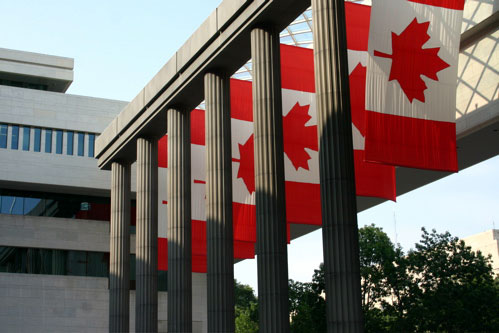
<point x="402" y="57"/>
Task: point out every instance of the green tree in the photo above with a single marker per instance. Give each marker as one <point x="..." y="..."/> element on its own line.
<point x="307" y="305"/>
<point x="440" y="286"/>
<point x="378" y="272"/>
<point x="246" y="308"/>
<point x="450" y="288"/>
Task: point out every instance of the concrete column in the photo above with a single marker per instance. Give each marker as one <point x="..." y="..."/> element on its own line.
<point x="179" y="222"/>
<point x="272" y="259"/>
<point x="220" y="277"/>
<point x="119" y="259"/>
<point x="339" y="210"/>
<point x="146" y="258"/>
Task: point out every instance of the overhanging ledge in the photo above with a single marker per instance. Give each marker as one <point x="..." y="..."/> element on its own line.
<point x="222" y="42"/>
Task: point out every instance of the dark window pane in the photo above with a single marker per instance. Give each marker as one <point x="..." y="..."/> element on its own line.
<point x="58" y="142"/>
<point x="13" y="259"/>
<point x="38" y="139"/>
<point x="81" y="144"/>
<point x="133" y="279"/>
<point x="91" y="145"/>
<point x="26" y="132"/>
<point x="48" y="140"/>
<point x="162" y="280"/>
<point x="55" y="262"/>
<point x="3" y="135"/>
<point x="15" y="137"/>
<point x="59" y="259"/>
<point x="34" y="206"/>
<point x="77" y="263"/>
<point x="97" y="264"/>
<point x="70" y="136"/>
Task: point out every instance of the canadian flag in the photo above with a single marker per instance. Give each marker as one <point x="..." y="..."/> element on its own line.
<point x="300" y="149"/>
<point x="243" y="249"/>
<point x="301" y="160"/>
<point x="411" y="83"/>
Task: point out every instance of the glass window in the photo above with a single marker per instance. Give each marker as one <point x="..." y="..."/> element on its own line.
<point x="70" y="137"/>
<point x="81" y="144"/>
<point x="91" y="145"/>
<point x="48" y="140"/>
<point x="12" y="205"/>
<point x="162" y="280"/>
<point x="38" y="139"/>
<point x="34" y="206"/>
<point x="15" y="137"/>
<point x="54" y="262"/>
<point x="26" y="132"/>
<point x="3" y="135"/>
<point x="58" y="142"/>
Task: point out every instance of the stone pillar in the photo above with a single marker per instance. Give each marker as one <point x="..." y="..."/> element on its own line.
<point x="339" y="210"/>
<point x="179" y="222"/>
<point x="146" y="244"/>
<point x="119" y="258"/>
<point x="272" y="260"/>
<point x="220" y="277"/>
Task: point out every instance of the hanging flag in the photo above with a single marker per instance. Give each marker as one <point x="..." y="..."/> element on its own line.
<point x="243" y="249"/>
<point x="411" y="83"/>
<point x="300" y="125"/>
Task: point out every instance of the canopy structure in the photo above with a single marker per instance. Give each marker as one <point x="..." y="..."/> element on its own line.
<point x="237" y="31"/>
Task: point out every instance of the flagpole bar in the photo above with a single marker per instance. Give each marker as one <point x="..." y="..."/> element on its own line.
<point x="146" y="259"/>
<point x="272" y="259"/>
<point x="336" y="166"/>
<point x="219" y="230"/>
<point x="119" y="259"/>
<point x="179" y="222"/>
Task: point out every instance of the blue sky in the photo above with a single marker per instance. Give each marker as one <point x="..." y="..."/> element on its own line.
<point x="119" y="45"/>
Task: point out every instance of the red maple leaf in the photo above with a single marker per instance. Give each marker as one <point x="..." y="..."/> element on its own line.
<point x="247" y="164"/>
<point x="358" y="97"/>
<point x="297" y="136"/>
<point x="410" y="60"/>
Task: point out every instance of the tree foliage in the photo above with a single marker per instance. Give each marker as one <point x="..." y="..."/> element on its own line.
<point x="246" y="308"/>
<point x="439" y="286"/>
<point x="307" y="305"/>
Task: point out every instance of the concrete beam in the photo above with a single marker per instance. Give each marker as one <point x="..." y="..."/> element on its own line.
<point x="223" y="39"/>
<point x="479" y="31"/>
<point x="35" y="68"/>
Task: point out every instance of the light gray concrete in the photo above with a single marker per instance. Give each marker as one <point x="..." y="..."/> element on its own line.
<point x="50" y="110"/>
<point x="49" y="303"/>
<point x="54" y="233"/>
<point x="54" y="71"/>
<point x="219" y="231"/>
<point x="146" y="259"/>
<point x="119" y="257"/>
<point x="56" y="110"/>
<point x="179" y="222"/>
<point x="271" y="243"/>
<point x="53" y="173"/>
<point x="337" y="179"/>
<point x="487" y="243"/>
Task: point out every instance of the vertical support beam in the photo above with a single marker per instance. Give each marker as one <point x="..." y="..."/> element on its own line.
<point x="272" y="260"/>
<point x="119" y="262"/>
<point x="146" y="262"/>
<point x="339" y="210"/>
<point x="179" y="222"/>
<point x="220" y="277"/>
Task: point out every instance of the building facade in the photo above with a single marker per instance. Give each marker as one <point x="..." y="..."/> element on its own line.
<point x="55" y="206"/>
